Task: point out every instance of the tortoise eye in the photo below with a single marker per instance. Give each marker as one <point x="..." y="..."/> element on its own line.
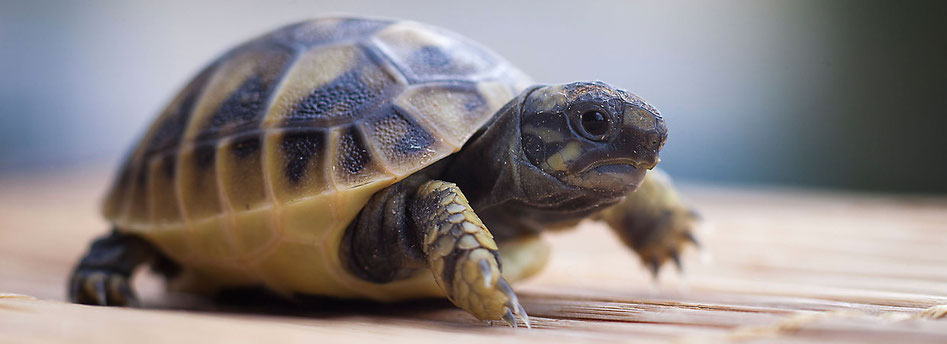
<point x="594" y="125"/>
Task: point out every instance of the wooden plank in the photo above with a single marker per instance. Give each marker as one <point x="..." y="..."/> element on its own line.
<point x="787" y="266"/>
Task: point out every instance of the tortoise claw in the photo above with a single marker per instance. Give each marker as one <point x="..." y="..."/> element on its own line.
<point x="487" y="272"/>
<point x="513" y="306"/>
<point x="95" y="288"/>
<point x="101" y="288"/>
<point x="654" y="266"/>
<point x="510" y="320"/>
<point x="694" y="214"/>
<point x="522" y="313"/>
<point x="121" y="293"/>
<point x="509" y="316"/>
<point x="691" y="238"/>
<point x="676" y="258"/>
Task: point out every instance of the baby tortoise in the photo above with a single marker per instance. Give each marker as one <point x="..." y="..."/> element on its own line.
<point x="348" y="157"/>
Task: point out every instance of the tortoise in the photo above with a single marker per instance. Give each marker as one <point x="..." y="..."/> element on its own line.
<point x="383" y="160"/>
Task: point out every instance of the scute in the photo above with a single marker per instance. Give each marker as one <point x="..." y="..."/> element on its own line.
<point x="354" y="164"/>
<point x="405" y="144"/>
<point x="330" y="86"/>
<point x="297" y="162"/>
<point x="426" y="54"/>
<point x="266" y="156"/>
<point x="465" y="105"/>
<point x="236" y="98"/>
<point x="324" y="31"/>
<point x="241" y="175"/>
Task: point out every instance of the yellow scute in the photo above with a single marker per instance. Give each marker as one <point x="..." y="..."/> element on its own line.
<point x="254" y="232"/>
<point x="306" y="257"/>
<point x="173" y="242"/>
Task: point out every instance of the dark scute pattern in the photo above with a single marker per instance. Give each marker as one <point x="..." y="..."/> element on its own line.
<point x="168" y="163"/>
<point x="244" y="108"/>
<point x="417" y="140"/>
<point x="125" y="176"/>
<point x="298" y="149"/>
<point x="204" y="155"/>
<point x="476" y="104"/>
<point x="456" y="62"/>
<point x="340" y="100"/>
<point x="434" y="58"/>
<point x="306" y="34"/>
<point x="353" y="155"/>
<point x="433" y="61"/>
<point x="167" y="136"/>
<point x="246" y="146"/>
<point x="414" y="140"/>
<point x="142" y="176"/>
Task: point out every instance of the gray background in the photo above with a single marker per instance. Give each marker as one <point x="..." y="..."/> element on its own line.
<point x="841" y="94"/>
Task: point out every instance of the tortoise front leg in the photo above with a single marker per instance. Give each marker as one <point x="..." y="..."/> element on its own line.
<point x="462" y="254"/>
<point x="654" y="221"/>
<point x="419" y="224"/>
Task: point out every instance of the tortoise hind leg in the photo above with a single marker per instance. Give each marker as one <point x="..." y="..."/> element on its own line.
<point x="103" y="275"/>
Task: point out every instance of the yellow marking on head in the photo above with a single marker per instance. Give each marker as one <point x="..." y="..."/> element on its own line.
<point x="571" y="151"/>
<point x="547" y="135"/>
<point x="556" y="162"/>
<point x="551" y="97"/>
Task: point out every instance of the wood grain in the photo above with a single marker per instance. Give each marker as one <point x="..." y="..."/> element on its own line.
<point x="787" y="266"/>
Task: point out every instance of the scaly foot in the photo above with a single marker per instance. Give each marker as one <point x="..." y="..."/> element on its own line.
<point x="462" y="254"/>
<point x="101" y="287"/>
<point x="655" y="222"/>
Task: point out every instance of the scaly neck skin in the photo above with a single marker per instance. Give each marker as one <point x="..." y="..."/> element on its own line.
<point x="509" y="193"/>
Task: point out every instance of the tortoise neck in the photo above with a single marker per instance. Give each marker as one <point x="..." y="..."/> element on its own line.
<point x="492" y="168"/>
<point x="500" y="182"/>
<point x="489" y="161"/>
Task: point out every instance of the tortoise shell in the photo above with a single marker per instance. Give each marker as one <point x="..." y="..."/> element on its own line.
<point x="253" y="171"/>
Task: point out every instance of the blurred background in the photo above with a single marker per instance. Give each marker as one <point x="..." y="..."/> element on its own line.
<point x="842" y="94"/>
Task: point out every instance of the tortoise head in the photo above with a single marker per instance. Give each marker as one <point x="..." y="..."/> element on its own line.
<point x="591" y="136"/>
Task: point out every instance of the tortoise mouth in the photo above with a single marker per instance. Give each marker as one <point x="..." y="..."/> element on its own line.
<point x="595" y="165"/>
<point x="613" y="176"/>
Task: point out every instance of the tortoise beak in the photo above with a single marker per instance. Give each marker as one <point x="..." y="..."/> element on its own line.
<point x="619" y="177"/>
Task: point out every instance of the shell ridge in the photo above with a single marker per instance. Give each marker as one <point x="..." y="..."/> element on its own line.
<point x="279" y="88"/>
<point x="370" y="145"/>
<point x="275" y="213"/>
<point x="224" y="199"/>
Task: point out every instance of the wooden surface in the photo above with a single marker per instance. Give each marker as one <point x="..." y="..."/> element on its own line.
<point x="785" y="266"/>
